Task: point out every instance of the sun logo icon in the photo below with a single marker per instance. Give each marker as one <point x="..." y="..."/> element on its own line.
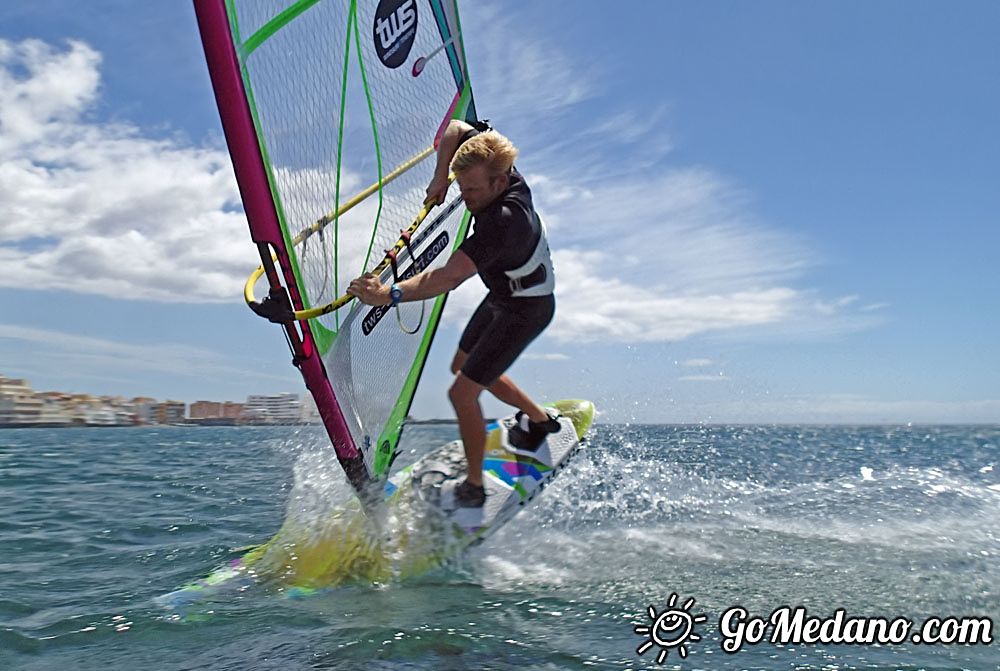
<point x="670" y="629"/>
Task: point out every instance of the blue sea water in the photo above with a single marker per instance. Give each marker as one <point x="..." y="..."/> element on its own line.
<point x="880" y="521"/>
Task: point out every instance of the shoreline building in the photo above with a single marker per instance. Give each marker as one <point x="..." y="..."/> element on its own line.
<point x="215" y="413"/>
<point x="232" y="410"/>
<point x="205" y="410"/>
<point x="310" y="413"/>
<point x="21" y="406"/>
<point x="169" y="412"/>
<point x="142" y="409"/>
<point x="273" y="409"/>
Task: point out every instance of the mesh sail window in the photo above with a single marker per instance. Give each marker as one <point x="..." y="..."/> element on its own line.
<point x="341" y="95"/>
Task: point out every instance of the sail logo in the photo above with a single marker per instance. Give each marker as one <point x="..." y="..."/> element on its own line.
<point x="423" y="260"/>
<point x="394" y="31"/>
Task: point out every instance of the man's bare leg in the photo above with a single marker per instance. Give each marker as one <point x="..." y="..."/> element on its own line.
<point x="464" y="396"/>
<point x="506" y="391"/>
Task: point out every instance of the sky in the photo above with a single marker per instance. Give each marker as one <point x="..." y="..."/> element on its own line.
<point x="759" y="212"/>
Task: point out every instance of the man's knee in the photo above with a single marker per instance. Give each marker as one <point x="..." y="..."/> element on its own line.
<point x="463" y="390"/>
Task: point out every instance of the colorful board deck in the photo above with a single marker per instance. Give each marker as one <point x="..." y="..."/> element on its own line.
<point x="511" y="479"/>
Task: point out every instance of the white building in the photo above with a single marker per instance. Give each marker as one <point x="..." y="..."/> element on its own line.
<point x="273" y="409"/>
<point x="21" y="406"/>
<point x="103" y="415"/>
<point x="310" y="413"/>
<point x="54" y="414"/>
<point x="18" y="403"/>
<point x="143" y="408"/>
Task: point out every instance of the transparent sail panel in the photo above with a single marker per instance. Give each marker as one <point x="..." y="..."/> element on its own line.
<point x="343" y="95"/>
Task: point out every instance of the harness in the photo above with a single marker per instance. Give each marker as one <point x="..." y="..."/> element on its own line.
<point x="535" y="277"/>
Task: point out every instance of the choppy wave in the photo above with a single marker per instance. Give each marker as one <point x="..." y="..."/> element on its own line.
<point x="878" y="520"/>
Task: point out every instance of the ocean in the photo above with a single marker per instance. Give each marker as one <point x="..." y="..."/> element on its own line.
<point x="885" y="522"/>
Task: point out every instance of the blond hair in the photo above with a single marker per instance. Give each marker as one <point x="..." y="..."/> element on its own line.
<point x="491" y="149"/>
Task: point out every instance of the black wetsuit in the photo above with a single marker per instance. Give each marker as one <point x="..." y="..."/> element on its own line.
<point x="503" y="238"/>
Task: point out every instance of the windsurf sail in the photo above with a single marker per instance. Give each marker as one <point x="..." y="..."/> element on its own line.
<point x="331" y="110"/>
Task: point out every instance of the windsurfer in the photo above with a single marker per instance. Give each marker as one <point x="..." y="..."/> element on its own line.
<point x="509" y="250"/>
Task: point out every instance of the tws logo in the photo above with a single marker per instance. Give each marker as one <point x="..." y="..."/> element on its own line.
<point x="394" y="30"/>
<point x="423" y="260"/>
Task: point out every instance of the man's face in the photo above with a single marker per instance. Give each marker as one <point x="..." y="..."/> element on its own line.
<point x="479" y="190"/>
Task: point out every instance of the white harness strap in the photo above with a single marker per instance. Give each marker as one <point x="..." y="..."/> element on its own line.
<point x="535" y="277"/>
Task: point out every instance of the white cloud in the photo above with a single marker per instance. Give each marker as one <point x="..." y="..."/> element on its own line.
<point x="98" y="208"/>
<point x="463" y="301"/>
<point x="702" y="378"/>
<point x="594" y="304"/>
<point x="515" y="68"/>
<point x="666" y="257"/>
<point x="530" y="86"/>
<point x="663" y="256"/>
<point x="630" y="126"/>
<point x="643" y="252"/>
<point x="681" y="229"/>
<point x="697" y="363"/>
<point x="57" y="86"/>
<point x="831" y="307"/>
<point x="626" y="142"/>
<point x="545" y="356"/>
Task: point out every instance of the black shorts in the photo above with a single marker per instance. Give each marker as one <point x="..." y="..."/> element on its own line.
<point x="499" y="331"/>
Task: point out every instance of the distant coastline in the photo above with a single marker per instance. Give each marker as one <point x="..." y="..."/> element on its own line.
<point x="210" y="422"/>
<point x="189" y="423"/>
<point x="23" y="407"/>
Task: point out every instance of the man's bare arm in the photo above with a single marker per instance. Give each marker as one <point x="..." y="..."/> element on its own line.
<point x="446" y="151"/>
<point x="449" y="145"/>
<point x="369" y="289"/>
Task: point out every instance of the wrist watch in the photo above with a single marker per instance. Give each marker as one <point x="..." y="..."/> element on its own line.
<point x="395" y="294"/>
